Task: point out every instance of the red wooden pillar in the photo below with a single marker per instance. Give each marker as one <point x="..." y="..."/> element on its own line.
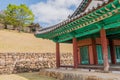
<point x="91" y="57"/>
<point x="79" y="58"/>
<point x="104" y="49"/>
<point x="57" y="55"/>
<point x="93" y="53"/>
<point x="112" y="51"/>
<point x="75" y="53"/>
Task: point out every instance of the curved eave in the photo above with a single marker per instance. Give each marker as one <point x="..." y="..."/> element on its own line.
<point x="82" y="21"/>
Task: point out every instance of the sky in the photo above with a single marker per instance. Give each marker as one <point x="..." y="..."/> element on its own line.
<point x="47" y="12"/>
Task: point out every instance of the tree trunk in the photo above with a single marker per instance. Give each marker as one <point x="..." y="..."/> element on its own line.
<point x="5" y="26"/>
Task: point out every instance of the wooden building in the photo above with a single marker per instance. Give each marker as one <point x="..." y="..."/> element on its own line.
<point x="94" y="31"/>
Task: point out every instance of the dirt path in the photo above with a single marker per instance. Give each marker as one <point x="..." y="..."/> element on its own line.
<point x="24" y="76"/>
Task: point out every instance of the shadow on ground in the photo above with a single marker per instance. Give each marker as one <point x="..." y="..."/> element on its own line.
<point x="25" y="76"/>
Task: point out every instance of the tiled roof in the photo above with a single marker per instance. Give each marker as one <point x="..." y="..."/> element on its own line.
<point x="87" y="5"/>
<point x="93" y="5"/>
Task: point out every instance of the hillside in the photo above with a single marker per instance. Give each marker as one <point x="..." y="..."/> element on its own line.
<point x="12" y="41"/>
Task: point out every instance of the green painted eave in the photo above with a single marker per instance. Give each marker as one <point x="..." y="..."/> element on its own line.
<point x="106" y="17"/>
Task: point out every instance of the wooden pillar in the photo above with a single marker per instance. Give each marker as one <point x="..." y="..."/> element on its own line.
<point x="91" y="57"/>
<point x="79" y="58"/>
<point x="57" y="55"/>
<point x="104" y="49"/>
<point x="75" y="53"/>
<point x="112" y="51"/>
<point x="93" y="53"/>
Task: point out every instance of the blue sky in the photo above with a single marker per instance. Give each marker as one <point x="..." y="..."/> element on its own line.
<point x="4" y="3"/>
<point x="47" y="12"/>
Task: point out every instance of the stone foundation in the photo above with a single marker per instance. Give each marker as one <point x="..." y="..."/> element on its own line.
<point x="74" y="74"/>
<point x="29" y="62"/>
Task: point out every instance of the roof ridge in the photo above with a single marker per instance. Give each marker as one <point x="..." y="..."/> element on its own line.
<point x="81" y="8"/>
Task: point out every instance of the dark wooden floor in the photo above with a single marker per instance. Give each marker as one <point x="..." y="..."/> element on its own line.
<point x="115" y="67"/>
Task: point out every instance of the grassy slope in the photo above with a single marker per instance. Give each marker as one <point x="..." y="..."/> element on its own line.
<point x="24" y="76"/>
<point x="12" y="41"/>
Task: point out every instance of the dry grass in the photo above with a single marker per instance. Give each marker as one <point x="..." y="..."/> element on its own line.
<point x="12" y="41"/>
<point x="25" y="76"/>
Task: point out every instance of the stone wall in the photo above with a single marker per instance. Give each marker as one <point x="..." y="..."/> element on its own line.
<point x="2" y="26"/>
<point x="28" y="62"/>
